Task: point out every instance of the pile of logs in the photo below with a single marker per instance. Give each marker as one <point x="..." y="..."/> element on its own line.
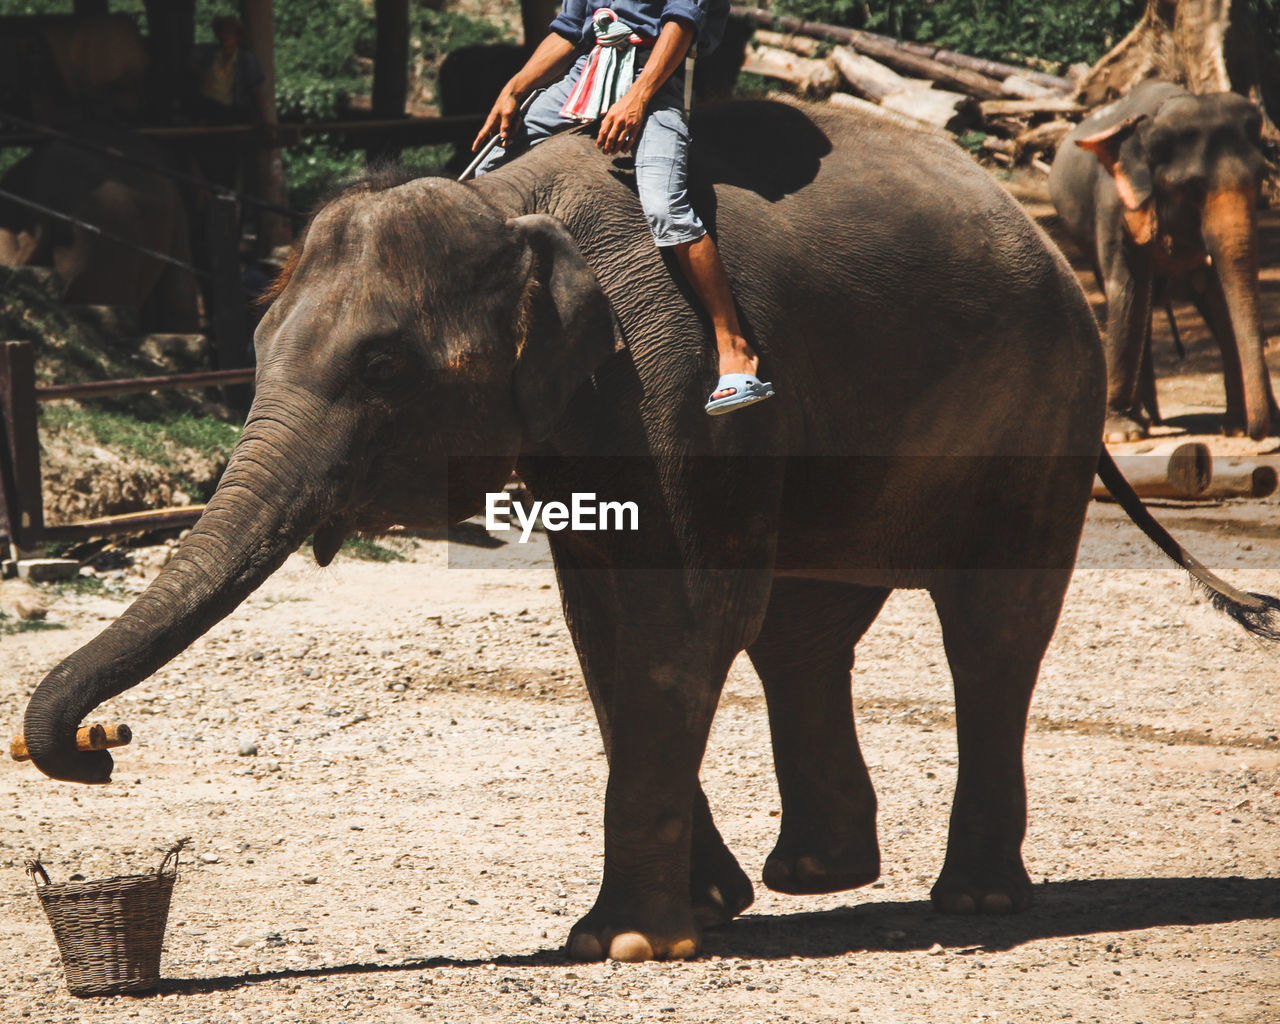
<point x="1012" y="114"/>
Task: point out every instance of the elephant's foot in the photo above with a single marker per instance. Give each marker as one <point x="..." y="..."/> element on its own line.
<point x="806" y="866"/>
<point x="1121" y="427"/>
<point x="719" y="889"/>
<point x="982" y="885"/>
<point x="634" y="932"/>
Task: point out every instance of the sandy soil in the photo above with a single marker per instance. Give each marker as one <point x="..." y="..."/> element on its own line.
<point x="420" y="823"/>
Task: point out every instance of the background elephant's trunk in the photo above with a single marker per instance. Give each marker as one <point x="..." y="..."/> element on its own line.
<point x="1230" y="226"/>
<point x="279" y="483"/>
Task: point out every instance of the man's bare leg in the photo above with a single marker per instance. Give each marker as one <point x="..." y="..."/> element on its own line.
<point x="700" y="262"/>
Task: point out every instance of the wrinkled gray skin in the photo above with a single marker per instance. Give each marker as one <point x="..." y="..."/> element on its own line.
<point x="940" y="393"/>
<point x="1166" y="196"/>
<point x="126" y="200"/>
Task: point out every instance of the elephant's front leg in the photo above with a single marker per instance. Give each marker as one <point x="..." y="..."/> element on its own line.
<point x="672" y="645"/>
<point x="719" y="890"/>
<point x="1128" y="275"/>
<point x="662" y="713"/>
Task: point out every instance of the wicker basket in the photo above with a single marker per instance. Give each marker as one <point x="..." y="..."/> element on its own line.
<point x="110" y="932"/>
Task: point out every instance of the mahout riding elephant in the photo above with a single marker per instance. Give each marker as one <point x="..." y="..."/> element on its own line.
<point x="1161" y="188"/>
<point x="937" y="423"/>
<point x="127" y="200"/>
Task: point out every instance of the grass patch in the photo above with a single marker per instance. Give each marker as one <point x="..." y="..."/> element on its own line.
<point x="151" y="439"/>
<point x="363" y="550"/>
<point x="81" y="585"/>
<point x="367" y="550"/>
<point x="10" y="626"/>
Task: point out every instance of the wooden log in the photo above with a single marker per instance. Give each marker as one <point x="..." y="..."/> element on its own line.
<point x="847" y="101"/>
<point x="1043" y="137"/>
<point x="1244" y="478"/>
<point x="88" y="737"/>
<point x="913" y="97"/>
<point x="869" y="78"/>
<point x="804" y="46"/>
<point x="1020" y="86"/>
<point x="997" y="69"/>
<point x="812" y="77"/>
<point x="957" y="79"/>
<point x="1181" y="470"/>
<point x="950" y="110"/>
<point x="877" y="45"/>
<point x="1022" y="108"/>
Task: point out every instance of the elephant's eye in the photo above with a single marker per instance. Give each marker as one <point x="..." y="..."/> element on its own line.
<point x="379" y="370"/>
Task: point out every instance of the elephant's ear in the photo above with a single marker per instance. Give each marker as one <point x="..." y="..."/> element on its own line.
<point x="1120" y="150"/>
<point x="569" y="329"/>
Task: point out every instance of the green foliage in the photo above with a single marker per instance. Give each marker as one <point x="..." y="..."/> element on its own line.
<point x="749" y="86"/>
<point x="1063" y="32"/>
<point x="437" y="33"/>
<point x="972" y="141"/>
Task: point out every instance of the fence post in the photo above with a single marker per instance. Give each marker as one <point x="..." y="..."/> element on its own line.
<point x="230" y="317"/>
<point x="9" y="514"/>
<point x="25" y="505"/>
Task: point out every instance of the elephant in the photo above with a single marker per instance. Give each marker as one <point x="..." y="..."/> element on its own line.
<point x="936" y="425"/>
<point x="1161" y="189"/>
<point x="61" y="68"/>
<point x="129" y="201"/>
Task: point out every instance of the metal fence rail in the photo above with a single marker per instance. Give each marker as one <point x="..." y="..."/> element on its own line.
<point x="193" y="180"/>
<point x="93" y="229"/>
<point x="21" y="501"/>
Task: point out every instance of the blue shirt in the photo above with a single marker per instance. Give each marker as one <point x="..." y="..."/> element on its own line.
<point x="647" y="17"/>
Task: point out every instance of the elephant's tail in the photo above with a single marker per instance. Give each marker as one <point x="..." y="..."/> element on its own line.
<point x="1257" y="613"/>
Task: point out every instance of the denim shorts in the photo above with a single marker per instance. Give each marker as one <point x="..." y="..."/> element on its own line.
<point x="661" y="151"/>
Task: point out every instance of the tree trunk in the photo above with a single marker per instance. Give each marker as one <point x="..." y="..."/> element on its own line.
<point x="1206" y="45"/>
<point x="274" y="229"/>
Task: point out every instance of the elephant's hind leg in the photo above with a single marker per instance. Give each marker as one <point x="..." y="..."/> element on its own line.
<point x="804" y="656"/>
<point x="995" y="626"/>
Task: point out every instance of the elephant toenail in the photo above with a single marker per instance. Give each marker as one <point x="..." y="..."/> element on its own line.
<point x="810" y="868"/>
<point x="685" y="949"/>
<point x="957" y="903"/>
<point x="997" y="903"/>
<point x="630" y="947"/>
<point x="585" y="946"/>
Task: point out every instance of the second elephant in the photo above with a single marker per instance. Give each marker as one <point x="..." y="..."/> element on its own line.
<point x="1161" y="189"/>
<point x="131" y="202"/>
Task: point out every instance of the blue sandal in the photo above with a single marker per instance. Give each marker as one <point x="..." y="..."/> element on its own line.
<point x="747" y="390"/>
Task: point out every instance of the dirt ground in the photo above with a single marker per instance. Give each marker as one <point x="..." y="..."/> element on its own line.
<point x="419" y="824"/>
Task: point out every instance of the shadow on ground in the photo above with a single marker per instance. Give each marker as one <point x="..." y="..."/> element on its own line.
<point x="1062" y="909"/>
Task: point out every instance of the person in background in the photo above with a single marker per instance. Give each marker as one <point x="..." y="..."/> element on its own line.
<point x="228" y="77"/>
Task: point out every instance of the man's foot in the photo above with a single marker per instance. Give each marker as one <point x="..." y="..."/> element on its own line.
<point x="735" y="391"/>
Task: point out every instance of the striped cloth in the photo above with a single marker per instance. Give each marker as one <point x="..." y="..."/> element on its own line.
<point x="610" y="70"/>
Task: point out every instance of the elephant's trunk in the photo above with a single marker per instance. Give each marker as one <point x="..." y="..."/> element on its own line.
<point x="279" y="483"/>
<point x="1230" y="225"/>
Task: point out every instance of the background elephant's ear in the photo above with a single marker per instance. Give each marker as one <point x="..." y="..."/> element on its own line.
<point x="1120" y="150"/>
<point x="569" y="328"/>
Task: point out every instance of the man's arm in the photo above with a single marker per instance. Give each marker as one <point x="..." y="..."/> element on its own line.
<point x="548" y="62"/>
<point x="621" y="124"/>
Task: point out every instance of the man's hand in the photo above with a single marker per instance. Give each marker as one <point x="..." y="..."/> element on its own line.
<point x="503" y="118"/>
<point x="621" y="124"/>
